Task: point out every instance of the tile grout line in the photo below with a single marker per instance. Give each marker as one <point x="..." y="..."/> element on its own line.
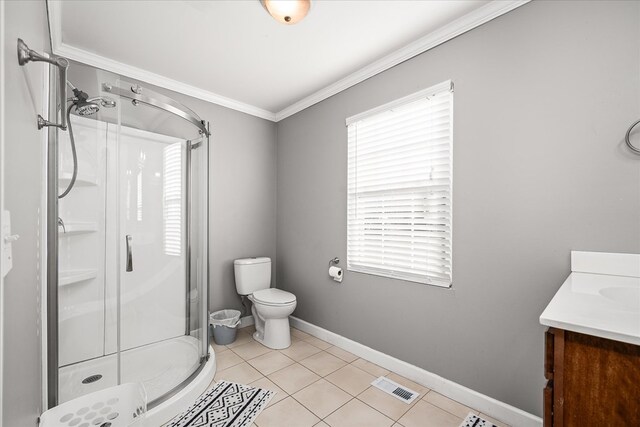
<point x="394" y="421"/>
<point x="341" y="387"/>
<point x="337" y="409"/>
<point x="370" y="386"/>
<point x="309" y="385"/>
<point x="449" y="412"/>
<point x="347" y="363"/>
<point x="411" y="406"/>
<point x="357" y="397"/>
<point x="352" y="397"/>
<point x="321" y="377"/>
<point x="324" y="376"/>
<point x="304" y="406"/>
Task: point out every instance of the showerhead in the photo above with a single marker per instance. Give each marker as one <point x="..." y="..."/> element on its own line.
<point x="92" y="105"/>
<point x="86" y="106"/>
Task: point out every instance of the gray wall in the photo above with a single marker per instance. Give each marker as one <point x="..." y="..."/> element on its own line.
<point x="543" y="96"/>
<point x="22" y="168"/>
<point x="242" y="185"/>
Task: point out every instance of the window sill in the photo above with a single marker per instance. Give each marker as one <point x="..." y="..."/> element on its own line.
<point x="387" y="275"/>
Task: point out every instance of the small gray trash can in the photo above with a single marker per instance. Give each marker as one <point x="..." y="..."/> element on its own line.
<point x="224" y="324"/>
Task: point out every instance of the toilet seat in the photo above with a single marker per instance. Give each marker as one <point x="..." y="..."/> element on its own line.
<point x="273" y="296"/>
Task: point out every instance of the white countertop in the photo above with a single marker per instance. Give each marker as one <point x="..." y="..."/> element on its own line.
<point x="603" y="305"/>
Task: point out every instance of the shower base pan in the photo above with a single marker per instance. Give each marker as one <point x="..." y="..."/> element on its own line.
<point x="160" y="367"/>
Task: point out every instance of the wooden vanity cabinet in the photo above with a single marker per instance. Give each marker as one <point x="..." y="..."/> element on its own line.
<point x="591" y="381"/>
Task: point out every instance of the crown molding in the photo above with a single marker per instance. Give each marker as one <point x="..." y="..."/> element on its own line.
<point x="70" y="52"/>
<point x="461" y="25"/>
<point x="107" y="64"/>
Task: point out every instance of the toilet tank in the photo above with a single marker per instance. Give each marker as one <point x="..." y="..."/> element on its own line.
<point x="252" y="274"/>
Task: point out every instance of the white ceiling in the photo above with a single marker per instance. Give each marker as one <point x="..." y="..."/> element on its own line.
<point x="236" y="50"/>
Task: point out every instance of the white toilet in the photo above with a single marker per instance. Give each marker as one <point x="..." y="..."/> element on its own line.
<point x="271" y="306"/>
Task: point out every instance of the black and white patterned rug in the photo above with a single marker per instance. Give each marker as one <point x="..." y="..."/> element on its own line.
<point x="473" y="420"/>
<point x="225" y="405"/>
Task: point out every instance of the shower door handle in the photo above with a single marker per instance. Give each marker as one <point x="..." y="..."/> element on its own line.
<point x="129" y="253"/>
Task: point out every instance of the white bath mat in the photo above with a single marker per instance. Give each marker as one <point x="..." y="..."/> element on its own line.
<point x="225" y="405"/>
<point x="473" y="420"/>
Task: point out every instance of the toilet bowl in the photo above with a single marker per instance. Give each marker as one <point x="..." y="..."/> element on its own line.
<point x="271" y="310"/>
<point x="271" y="306"/>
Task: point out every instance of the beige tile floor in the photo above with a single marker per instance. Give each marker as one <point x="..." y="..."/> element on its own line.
<point x="318" y="384"/>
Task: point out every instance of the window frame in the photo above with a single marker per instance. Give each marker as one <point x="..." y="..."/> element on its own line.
<point x="446" y="86"/>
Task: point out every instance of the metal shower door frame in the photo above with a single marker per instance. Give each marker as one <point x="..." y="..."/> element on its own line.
<point x="173" y="107"/>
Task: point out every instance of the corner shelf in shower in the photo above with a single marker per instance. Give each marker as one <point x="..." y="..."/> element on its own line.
<point x="70" y="277"/>
<point x="75" y="228"/>
<point x="65" y="179"/>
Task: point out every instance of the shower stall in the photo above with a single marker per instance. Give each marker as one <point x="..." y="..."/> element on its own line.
<point x="128" y="248"/>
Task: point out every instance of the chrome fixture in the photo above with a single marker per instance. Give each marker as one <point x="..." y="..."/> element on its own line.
<point x="85" y="106"/>
<point x="287" y="12"/>
<point x="26" y="55"/>
<point x="627" y="138"/>
<point x="137" y="94"/>
<point x="192" y="169"/>
<point x="128" y="240"/>
<point x="335" y="261"/>
<point x="61" y="224"/>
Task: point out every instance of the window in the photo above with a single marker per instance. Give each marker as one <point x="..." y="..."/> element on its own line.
<point x="172" y="194"/>
<point x="399" y="188"/>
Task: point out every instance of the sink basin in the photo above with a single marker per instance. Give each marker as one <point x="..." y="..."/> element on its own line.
<point x="627" y="297"/>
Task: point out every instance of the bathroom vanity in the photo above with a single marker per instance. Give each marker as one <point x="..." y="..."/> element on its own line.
<point x="592" y="345"/>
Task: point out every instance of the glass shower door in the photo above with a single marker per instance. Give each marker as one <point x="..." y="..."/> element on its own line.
<point x="132" y="254"/>
<point x="155" y="342"/>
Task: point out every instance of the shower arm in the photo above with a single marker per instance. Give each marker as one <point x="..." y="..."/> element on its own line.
<point x="72" y="87"/>
<point x="26" y="55"/>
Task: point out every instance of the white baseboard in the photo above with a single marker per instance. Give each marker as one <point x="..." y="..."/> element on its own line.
<point x="246" y="321"/>
<point x="483" y="403"/>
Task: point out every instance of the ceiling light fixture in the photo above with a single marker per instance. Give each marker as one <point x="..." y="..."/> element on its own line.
<point x="287" y="11"/>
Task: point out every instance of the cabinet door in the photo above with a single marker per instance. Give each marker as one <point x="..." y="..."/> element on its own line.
<point x="601" y="382"/>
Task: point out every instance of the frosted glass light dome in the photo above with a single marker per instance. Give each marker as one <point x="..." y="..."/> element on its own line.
<point x="287" y="11"/>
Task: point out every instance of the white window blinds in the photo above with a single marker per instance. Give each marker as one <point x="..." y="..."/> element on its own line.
<point x="172" y="194"/>
<point x="399" y="188"/>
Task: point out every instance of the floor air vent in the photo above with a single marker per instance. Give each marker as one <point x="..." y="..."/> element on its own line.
<point x="396" y="390"/>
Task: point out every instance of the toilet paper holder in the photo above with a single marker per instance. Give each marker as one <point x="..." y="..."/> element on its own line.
<point x="335" y="272"/>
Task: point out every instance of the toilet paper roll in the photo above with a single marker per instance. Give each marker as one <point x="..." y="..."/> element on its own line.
<point x="335" y="273"/>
